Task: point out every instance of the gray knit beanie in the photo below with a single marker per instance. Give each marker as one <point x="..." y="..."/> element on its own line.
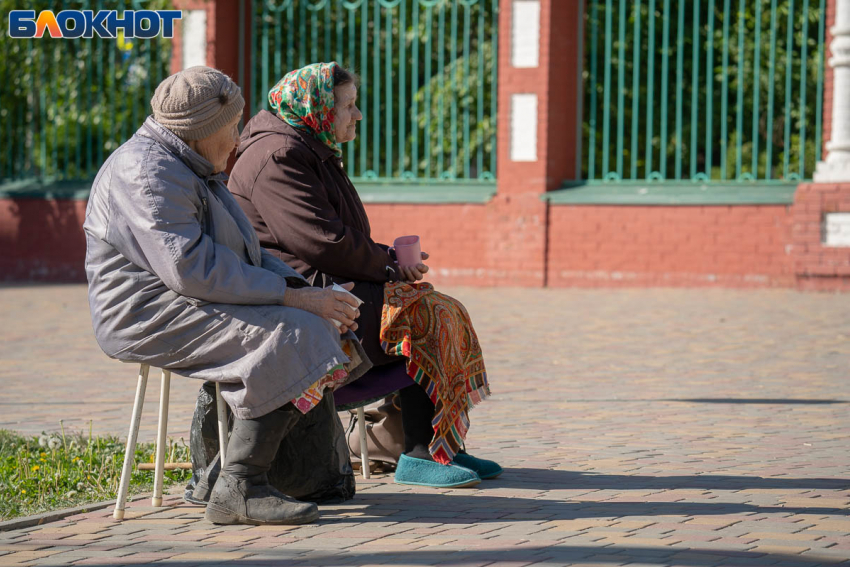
<point x="196" y="102"/>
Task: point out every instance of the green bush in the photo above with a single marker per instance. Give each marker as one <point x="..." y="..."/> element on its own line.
<point x="66" y="104"/>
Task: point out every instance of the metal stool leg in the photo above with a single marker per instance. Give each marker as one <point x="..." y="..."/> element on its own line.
<point x="364" y="449"/>
<point x="221" y="411"/>
<point x="161" y="431"/>
<point x="130" y="450"/>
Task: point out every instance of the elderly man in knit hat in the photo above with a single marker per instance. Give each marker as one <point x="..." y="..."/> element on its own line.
<point x="178" y="280"/>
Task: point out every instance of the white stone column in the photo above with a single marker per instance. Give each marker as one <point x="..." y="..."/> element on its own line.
<point x="837" y="165"/>
<point x="194" y="38"/>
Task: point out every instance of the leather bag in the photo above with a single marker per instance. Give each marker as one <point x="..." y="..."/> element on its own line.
<point x="384" y="432"/>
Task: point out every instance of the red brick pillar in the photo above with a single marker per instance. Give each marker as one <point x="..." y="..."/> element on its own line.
<point x="817" y="264"/>
<point x="552" y="80"/>
<point x="222" y="39"/>
<point x="222" y="22"/>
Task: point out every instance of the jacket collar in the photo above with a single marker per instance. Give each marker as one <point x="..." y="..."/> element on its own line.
<point x="267" y="121"/>
<point x="315" y="144"/>
<point x="195" y="161"/>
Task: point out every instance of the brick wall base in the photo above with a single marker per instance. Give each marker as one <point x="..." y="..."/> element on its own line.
<point x="730" y="246"/>
<point x="520" y="241"/>
<point x="42" y="240"/>
<point x="817" y="266"/>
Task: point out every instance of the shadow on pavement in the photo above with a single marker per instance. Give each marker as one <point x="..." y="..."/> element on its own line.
<point x="563" y="554"/>
<point x="755" y="401"/>
<point x="765" y="401"/>
<point x="469" y="510"/>
<point x="546" y="479"/>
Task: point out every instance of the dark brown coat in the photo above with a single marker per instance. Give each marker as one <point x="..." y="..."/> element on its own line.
<point x="306" y="212"/>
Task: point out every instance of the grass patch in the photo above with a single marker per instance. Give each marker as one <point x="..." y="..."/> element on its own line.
<point x="54" y="471"/>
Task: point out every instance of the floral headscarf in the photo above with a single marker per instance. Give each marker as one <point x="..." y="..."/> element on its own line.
<point x="304" y="99"/>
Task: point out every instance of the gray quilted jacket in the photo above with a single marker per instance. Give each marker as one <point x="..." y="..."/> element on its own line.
<point x="177" y="279"/>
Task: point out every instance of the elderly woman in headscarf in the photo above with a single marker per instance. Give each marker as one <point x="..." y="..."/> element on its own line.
<point x="291" y="183"/>
<point x="178" y="280"/>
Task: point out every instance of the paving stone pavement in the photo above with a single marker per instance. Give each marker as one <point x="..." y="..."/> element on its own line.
<point x="637" y="427"/>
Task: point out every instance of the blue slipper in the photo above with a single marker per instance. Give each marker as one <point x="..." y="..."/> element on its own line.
<point x="420" y="472"/>
<point x="484" y="468"/>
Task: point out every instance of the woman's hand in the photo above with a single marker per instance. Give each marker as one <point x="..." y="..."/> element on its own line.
<point x="415" y="273"/>
<point x="326" y="303"/>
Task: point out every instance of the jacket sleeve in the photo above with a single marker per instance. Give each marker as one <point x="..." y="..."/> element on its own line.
<point x="274" y="264"/>
<point x="163" y="212"/>
<point x="293" y="202"/>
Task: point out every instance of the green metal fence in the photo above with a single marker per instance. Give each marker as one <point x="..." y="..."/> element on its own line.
<point x="65" y="105"/>
<point x="428" y="72"/>
<point x="703" y="90"/>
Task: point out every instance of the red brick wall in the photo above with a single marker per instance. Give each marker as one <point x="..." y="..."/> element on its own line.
<point x="725" y="246"/>
<point x="500" y="243"/>
<point x="451" y="234"/>
<point x="670" y="246"/>
<point x="42" y="240"/>
<point x="589" y="246"/>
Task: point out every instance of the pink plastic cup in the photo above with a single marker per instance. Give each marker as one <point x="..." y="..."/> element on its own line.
<point x="407" y="251"/>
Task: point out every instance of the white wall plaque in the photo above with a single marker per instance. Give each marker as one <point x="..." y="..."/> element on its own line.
<point x="194" y="38"/>
<point x="837" y="229"/>
<point x="525" y="33"/>
<point x="524" y="127"/>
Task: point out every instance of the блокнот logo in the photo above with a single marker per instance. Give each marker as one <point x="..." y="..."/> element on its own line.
<point x="72" y="24"/>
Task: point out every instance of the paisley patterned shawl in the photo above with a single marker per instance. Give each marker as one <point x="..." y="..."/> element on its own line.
<point x="435" y="333"/>
<point x="304" y="99"/>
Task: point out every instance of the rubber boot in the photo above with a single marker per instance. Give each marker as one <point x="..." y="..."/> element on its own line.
<point x="242" y="494"/>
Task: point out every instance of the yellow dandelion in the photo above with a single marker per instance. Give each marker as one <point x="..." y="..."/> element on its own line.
<point x="88" y="477"/>
<point x="23" y="491"/>
<point x="35" y="468"/>
<point x="42" y="454"/>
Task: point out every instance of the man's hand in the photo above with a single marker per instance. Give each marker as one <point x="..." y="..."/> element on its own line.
<point x="326" y="303"/>
<point x="415" y="273"/>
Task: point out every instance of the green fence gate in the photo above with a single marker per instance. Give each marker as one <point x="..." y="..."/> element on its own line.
<point x="707" y="91"/>
<point x="428" y="80"/>
<point x="713" y="92"/>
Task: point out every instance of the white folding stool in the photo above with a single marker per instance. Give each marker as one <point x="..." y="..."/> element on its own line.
<point x="162" y="427"/>
<point x="364" y="449"/>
